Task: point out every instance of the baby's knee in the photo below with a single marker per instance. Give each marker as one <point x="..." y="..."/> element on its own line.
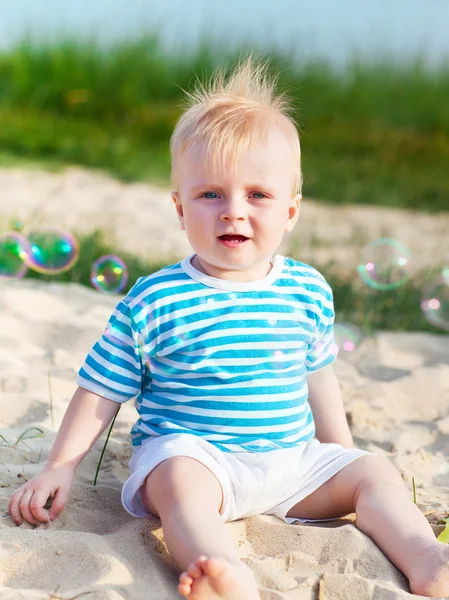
<point x="378" y="470"/>
<point x="180" y="480"/>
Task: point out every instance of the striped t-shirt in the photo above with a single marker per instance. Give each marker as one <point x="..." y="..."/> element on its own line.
<point x="220" y="359"/>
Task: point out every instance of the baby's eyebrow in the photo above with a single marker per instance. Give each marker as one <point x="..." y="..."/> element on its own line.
<point x="205" y="185"/>
<point x="218" y="187"/>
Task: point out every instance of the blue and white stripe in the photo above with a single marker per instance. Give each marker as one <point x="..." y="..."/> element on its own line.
<point x="225" y="364"/>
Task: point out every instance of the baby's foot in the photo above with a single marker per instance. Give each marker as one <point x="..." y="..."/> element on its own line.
<point x="214" y="578"/>
<point x="431" y="578"/>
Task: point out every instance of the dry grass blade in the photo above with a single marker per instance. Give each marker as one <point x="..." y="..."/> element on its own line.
<point x="29" y="437"/>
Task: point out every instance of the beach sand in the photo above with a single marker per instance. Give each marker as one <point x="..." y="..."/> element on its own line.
<point x="395" y="388"/>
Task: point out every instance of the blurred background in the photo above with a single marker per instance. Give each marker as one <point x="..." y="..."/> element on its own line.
<point x="403" y="29"/>
<point x="98" y="84"/>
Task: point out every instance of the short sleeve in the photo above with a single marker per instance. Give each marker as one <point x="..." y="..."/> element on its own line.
<point x="323" y="350"/>
<point x="114" y="368"/>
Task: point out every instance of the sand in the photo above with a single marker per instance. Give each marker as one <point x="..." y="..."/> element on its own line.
<point x="395" y="387"/>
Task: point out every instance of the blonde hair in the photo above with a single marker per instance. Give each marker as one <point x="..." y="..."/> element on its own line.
<point x="220" y="118"/>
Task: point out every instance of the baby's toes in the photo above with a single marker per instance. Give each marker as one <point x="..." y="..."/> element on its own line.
<point x="185" y="584"/>
<point x="214" y="566"/>
<point x="194" y="571"/>
<point x="184" y="590"/>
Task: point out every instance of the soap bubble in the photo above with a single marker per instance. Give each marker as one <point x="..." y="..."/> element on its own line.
<point x="385" y="264"/>
<point x="109" y="274"/>
<point x="52" y="251"/>
<point x="435" y="300"/>
<point x="347" y="336"/>
<point x="14" y="249"/>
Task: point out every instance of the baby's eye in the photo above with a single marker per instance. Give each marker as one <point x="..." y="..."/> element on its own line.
<point x="208" y="194"/>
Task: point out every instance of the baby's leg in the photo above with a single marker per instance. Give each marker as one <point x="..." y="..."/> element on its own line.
<point x="187" y="497"/>
<point x="374" y="489"/>
<point x="386" y="512"/>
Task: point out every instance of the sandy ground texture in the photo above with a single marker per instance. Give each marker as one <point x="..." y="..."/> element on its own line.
<point x="396" y="393"/>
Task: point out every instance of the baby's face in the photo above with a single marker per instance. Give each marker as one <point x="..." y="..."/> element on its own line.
<point x="256" y="202"/>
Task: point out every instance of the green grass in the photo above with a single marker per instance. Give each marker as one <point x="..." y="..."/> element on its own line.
<point x="373" y="134"/>
<point x="356" y="303"/>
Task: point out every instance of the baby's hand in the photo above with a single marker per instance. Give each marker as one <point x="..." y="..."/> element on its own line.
<point x="27" y="503"/>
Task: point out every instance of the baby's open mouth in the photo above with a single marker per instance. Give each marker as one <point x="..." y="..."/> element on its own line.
<point x="233" y="238"/>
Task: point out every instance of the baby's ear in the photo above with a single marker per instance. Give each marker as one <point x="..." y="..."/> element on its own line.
<point x="297" y="199"/>
<point x="178" y="207"/>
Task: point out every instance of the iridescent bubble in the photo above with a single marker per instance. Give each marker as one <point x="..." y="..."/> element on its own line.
<point x="347" y="336"/>
<point x="435" y="300"/>
<point x="109" y="274"/>
<point x="52" y="251"/>
<point x="385" y="264"/>
<point x="14" y="249"/>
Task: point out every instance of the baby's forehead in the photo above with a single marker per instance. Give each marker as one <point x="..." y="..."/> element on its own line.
<point x="259" y="154"/>
<point x="236" y="174"/>
<point x="270" y="153"/>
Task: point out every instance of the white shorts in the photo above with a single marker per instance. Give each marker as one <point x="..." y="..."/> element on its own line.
<point x="253" y="483"/>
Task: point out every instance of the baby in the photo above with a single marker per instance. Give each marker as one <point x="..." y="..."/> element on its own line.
<point x="229" y="355"/>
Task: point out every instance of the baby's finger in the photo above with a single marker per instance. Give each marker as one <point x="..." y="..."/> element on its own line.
<point x="37" y="503"/>
<point x="13" y="506"/>
<point x="24" y="506"/>
<point x="59" y="502"/>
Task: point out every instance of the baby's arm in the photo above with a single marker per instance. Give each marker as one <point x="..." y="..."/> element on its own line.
<point x="84" y="421"/>
<point x="326" y="402"/>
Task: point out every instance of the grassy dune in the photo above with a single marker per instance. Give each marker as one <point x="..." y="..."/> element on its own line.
<point x="376" y="134"/>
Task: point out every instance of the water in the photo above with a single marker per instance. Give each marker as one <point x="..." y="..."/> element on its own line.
<point x="329" y="28"/>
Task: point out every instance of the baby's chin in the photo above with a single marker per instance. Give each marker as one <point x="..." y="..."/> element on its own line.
<point x="232" y="272"/>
